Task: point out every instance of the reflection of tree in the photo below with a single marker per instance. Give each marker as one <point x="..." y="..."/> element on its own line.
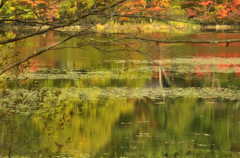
<point x="143" y="127"/>
<point x="91" y="128"/>
<point x="23" y="134"/>
<point x="165" y="130"/>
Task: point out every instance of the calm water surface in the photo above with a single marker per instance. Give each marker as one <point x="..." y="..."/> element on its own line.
<point x="138" y="127"/>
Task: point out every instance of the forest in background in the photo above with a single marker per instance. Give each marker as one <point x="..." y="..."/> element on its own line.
<point x="133" y="11"/>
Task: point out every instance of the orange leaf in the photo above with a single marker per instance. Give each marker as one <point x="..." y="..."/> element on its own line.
<point x="139" y="30"/>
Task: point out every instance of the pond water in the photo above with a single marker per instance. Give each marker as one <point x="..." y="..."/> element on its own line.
<point x="108" y="120"/>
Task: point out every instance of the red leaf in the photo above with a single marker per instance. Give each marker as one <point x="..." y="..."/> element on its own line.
<point x="139" y="30"/>
<point x="206" y="3"/>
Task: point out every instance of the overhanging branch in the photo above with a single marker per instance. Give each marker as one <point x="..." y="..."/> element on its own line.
<point x="93" y="12"/>
<point x="169" y="41"/>
<point x="37" y="52"/>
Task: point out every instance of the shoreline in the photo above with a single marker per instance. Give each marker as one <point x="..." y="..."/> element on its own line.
<point x="138" y="28"/>
<point x="220" y="27"/>
<point x="134" y="28"/>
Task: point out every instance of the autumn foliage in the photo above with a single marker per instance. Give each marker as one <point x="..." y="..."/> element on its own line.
<point x="29" y="9"/>
<point x="229" y="10"/>
<point x="210" y="11"/>
<point x="203" y="11"/>
<point x="143" y="8"/>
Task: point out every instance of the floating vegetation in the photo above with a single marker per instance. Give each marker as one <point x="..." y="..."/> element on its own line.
<point x="190" y="61"/>
<point x="113" y="74"/>
<point x="27" y="99"/>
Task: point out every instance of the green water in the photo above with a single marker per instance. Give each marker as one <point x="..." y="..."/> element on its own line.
<point x="122" y="126"/>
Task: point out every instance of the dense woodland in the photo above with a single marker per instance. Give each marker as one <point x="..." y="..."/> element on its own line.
<point x="200" y="11"/>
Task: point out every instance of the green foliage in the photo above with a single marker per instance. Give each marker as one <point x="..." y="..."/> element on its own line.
<point x="90" y="3"/>
<point x="8" y="53"/>
<point x="67" y="10"/>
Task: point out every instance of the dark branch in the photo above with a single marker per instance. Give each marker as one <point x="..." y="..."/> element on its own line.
<point x="94" y="12"/>
<point x="2" y="3"/>
<point x="170" y="41"/>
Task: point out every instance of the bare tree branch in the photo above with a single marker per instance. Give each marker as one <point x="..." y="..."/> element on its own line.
<point x="33" y="53"/>
<point x="94" y="12"/>
<point x="169" y="41"/>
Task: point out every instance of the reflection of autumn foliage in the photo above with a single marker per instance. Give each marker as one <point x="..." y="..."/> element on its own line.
<point x="42" y="41"/>
<point x="221" y="65"/>
<point x="237" y="68"/>
<point x="199" y="69"/>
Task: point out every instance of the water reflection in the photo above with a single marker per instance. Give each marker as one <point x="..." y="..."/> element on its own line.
<point x="128" y="126"/>
<point x="143" y="127"/>
<point x="209" y="59"/>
